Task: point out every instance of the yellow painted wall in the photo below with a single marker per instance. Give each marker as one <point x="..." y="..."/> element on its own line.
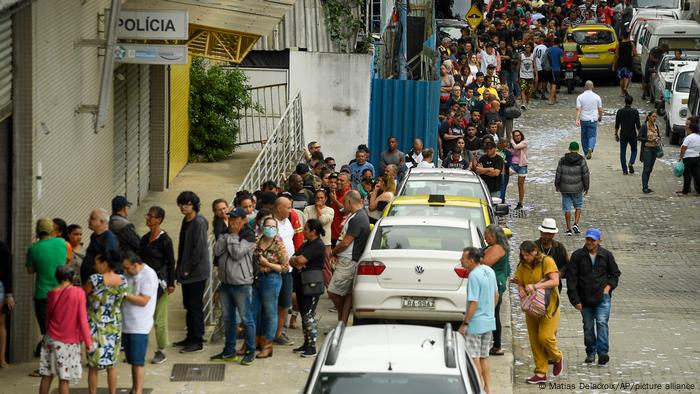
<point x="179" y="118"/>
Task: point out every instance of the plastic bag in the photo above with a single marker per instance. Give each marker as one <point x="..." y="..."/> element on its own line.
<point x="679" y="168"/>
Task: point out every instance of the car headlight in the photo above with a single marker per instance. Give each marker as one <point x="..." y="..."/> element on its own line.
<point x="683" y="112"/>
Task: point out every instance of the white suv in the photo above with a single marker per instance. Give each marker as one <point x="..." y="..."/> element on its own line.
<point x="410" y="269"/>
<point x="393" y="359"/>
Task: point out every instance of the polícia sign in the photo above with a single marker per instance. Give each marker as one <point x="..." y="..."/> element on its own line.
<point x="152" y="25"/>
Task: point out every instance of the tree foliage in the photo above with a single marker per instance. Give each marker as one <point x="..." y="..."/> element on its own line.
<point x="217" y="97"/>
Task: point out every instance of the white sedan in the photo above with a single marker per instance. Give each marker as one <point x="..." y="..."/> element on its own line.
<point x="410" y="270"/>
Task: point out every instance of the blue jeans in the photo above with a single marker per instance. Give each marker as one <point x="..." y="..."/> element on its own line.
<point x="237" y="298"/>
<point x="595" y="327"/>
<point x="264" y="311"/>
<point x="589" y="130"/>
<point x="632" y="142"/>
<point x="512" y="82"/>
<point x="505" y="177"/>
<point x="648" y="159"/>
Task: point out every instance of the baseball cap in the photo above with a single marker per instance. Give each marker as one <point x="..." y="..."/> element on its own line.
<point x="593" y="233"/>
<point x="573" y="146"/>
<point x="237" y="213"/>
<point x="119" y="202"/>
<point x="44" y="225"/>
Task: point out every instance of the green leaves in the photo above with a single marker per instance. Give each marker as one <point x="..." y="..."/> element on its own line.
<point x="216" y="97"/>
<point x="342" y="23"/>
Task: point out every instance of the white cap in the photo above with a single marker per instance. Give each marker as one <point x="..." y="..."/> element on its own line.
<point x="549" y="225"/>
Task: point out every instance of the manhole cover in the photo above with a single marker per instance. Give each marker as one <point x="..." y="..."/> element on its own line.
<point x="103" y="390"/>
<point x="197" y="373"/>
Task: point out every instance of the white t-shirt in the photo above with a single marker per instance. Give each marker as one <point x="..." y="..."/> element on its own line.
<point x="347" y="253"/>
<point x="139" y="319"/>
<point x="425" y="164"/>
<point x="692" y="144"/>
<point x="589" y="102"/>
<point x="539" y="52"/>
<point x="286" y="233"/>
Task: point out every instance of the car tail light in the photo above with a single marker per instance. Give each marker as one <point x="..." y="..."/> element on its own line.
<point x="373" y="268"/>
<point x="461" y="272"/>
<point x="611" y="50"/>
<point x="569" y="65"/>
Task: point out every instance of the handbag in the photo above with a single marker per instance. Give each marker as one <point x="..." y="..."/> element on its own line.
<point x="536" y="303"/>
<point x="659" y="152"/>
<point x="512" y="112"/>
<point x="312" y="283"/>
<point x="679" y="168"/>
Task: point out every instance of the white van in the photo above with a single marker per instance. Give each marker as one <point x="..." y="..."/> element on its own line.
<point x="676" y="100"/>
<point x="677" y="35"/>
<point x="684" y="9"/>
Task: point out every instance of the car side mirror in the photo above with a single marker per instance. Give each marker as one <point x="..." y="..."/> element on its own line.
<point x="501" y="209"/>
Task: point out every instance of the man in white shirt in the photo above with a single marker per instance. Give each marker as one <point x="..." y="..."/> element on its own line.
<point x="138" y="313"/>
<point x="281" y="212"/>
<point x="540" y="51"/>
<point x="415" y="156"/>
<point x="589" y="113"/>
<point x="427" y="159"/>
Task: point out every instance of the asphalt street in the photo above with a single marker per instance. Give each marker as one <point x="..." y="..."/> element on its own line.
<point x="654" y="320"/>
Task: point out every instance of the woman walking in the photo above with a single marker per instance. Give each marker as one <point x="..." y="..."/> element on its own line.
<point x="519" y="163"/>
<point x="527" y="72"/>
<point x="539" y="272"/>
<point x="690" y="154"/>
<point x="496" y="256"/>
<point x="66" y="328"/>
<point x="651" y="142"/>
<point x="105" y="293"/>
<point x="324" y="214"/>
<point x="156" y="250"/>
<point x="309" y="258"/>
<point x="272" y="259"/>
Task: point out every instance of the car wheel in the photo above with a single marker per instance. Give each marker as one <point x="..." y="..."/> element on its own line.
<point x="675" y="139"/>
<point x="356" y="321"/>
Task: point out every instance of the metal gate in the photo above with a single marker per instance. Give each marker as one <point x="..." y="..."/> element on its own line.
<point x="131" y="131"/>
<point x="5" y="66"/>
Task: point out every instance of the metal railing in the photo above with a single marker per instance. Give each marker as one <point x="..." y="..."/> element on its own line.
<point x="258" y="120"/>
<point x="283" y="149"/>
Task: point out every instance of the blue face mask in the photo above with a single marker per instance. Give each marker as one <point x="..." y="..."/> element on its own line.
<point x="270" y="232"/>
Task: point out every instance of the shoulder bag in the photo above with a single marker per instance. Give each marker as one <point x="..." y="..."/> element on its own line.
<point x="536" y="303"/>
<point x="312" y="283"/>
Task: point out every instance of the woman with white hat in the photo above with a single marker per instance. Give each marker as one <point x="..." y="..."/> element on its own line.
<point x="549" y="247"/>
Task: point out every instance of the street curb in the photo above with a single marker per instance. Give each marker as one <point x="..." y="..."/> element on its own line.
<point x="502" y="366"/>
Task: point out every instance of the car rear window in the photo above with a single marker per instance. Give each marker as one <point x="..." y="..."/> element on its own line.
<point x="439" y="186"/>
<point x="593" y="37"/>
<point x="681" y="42"/>
<point x="388" y="383"/>
<point x="472" y="213"/>
<point x="421" y="238"/>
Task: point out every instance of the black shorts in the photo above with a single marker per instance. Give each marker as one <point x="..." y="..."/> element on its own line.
<point x="545" y="76"/>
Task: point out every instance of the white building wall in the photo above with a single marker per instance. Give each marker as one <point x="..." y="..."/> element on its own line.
<point x="335" y="95"/>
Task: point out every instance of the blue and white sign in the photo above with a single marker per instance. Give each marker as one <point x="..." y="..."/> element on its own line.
<point x="150" y="54"/>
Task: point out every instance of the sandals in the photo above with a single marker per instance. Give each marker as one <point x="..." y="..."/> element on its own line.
<point x="496" y="351"/>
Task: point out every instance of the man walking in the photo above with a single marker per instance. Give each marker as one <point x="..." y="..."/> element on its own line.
<point x="589" y="112"/>
<point x="626" y="126"/>
<point x="121" y="227"/>
<point x="346" y="254"/>
<point x="193" y="269"/>
<point x="572" y="181"/>
<point x="234" y="252"/>
<point x="480" y="319"/>
<point x="138" y="311"/>
<point x="550" y="247"/>
<point x="592" y="276"/>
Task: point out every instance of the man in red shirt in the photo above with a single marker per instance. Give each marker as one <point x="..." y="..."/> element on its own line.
<point x="605" y="13"/>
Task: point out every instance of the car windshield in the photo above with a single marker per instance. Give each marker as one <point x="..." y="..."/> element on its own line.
<point x="421" y="238"/>
<point x="441" y="186"/>
<point x="475" y="214"/>
<point x="684" y="80"/>
<point x="681" y="42"/>
<point x="388" y="383"/>
<point x="670" y="4"/>
<point x="593" y="37"/>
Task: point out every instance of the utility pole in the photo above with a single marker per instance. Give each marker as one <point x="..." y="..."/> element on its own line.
<point x="403" y="9"/>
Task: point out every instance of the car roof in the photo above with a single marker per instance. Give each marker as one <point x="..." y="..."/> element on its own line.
<point x="668" y="27"/>
<point x="591" y="26"/>
<point x="688" y="67"/>
<point x="426" y="173"/>
<point x="413" y="221"/>
<point x="403" y="348"/>
<point x="449" y="200"/>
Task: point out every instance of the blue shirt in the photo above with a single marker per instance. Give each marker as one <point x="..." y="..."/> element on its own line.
<point x="358" y="169"/>
<point x="555" y="54"/>
<point x="482" y="288"/>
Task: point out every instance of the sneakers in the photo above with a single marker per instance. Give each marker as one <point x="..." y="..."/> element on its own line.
<point x="519" y="206"/>
<point x="631" y="167"/>
<point x="558" y="367"/>
<point x="300" y="349"/>
<point x="523" y="107"/>
<point x="534" y="379"/>
<point x="647" y="191"/>
<point x="603" y="359"/>
<point x="283" y="340"/>
<point x="589" y="154"/>
<point x="192" y="348"/>
<point x="225" y="357"/>
<point x="158" y="357"/>
<point x="590" y="358"/>
<point x="310" y="352"/>
<point x="248" y="359"/>
<point x="182" y="343"/>
<point x="569" y="233"/>
<point x="576" y="229"/>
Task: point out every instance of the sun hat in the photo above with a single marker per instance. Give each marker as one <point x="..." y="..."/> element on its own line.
<point x="549" y="225"/>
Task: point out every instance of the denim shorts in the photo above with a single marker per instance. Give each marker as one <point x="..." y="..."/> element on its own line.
<point x="520" y="170"/>
<point x="569" y="201"/>
<point x="135" y="347"/>
<point x="285" y="298"/>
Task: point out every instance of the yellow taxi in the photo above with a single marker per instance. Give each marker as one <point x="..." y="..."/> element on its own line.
<point x="597" y="44"/>
<point x="439" y="205"/>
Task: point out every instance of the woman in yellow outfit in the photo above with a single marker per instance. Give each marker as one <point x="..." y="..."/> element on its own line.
<point x="538" y="271"/>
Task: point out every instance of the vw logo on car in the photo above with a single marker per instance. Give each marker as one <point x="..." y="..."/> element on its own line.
<point x="419" y="269"/>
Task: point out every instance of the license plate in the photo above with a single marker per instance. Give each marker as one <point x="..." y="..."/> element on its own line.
<point x="418" y="302"/>
<point x="569" y="75"/>
<point x="592" y="55"/>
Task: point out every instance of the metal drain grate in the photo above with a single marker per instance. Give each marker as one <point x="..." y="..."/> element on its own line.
<point x="103" y="390"/>
<point x="517" y="214"/>
<point x="198" y="373"/>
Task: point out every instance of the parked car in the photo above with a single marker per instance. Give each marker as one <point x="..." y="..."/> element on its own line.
<point x="682" y="9"/>
<point x="677" y="103"/>
<point x="636" y="27"/>
<point x="680" y="34"/>
<point x="597" y="44"/>
<point x="410" y="269"/>
<point x="393" y="359"/>
<point x="662" y="80"/>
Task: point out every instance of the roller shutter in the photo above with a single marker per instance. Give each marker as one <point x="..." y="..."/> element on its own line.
<point x="5" y="66"/>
